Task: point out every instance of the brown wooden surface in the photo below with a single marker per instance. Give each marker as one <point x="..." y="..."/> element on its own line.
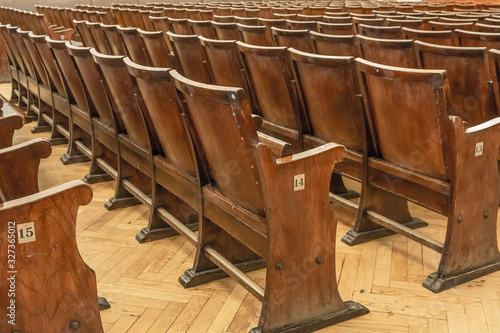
<point x="8" y="124"/>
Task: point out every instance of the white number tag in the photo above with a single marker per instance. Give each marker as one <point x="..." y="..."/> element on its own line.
<point x="26" y="232"/>
<point x="299" y="181"/>
<point x="479" y="149"/>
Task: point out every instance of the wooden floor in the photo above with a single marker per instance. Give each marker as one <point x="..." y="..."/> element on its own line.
<point x="140" y="280"/>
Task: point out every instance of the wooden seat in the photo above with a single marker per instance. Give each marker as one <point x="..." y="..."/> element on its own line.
<point x="434" y="37"/>
<point x="189" y="56"/>
<point x="470" y="87"/>
<point x="298" y="39"/>
<point x="202" y="28"/>
<point x="226" y="30"/>
<point x="136" y="143"/>
<point x="255" y="227"/>
<point x="105" y="122"/>
<point x="114" y="38"/>
<point x="396" y="52"/>
<point x="61" y="111"/>
<point x="269" y="78"/>
<point x="451" y="26"/>
<point x="392" y="32"/>
<point x="134" y="46"/>
<point x="476" y="39"/>
<point x="8" y="125"/>
<point x="176" y="200"/>
<point x="50" y="274"/>
<point x="336" y="45"/>
<point x="415" y="24"/>
<point x="158" y="53"/>
<point x="336" y="28"/>
<point x="437" y="162"/>
<point x="226" y="67"/>
<point x="255" y="35"/>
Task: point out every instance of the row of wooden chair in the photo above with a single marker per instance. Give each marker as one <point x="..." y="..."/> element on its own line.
<point x="33" y="224"/>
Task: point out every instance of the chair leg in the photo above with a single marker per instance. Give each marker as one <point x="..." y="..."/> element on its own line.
<point x="122" y="197"/>
<point x="338" y="187"/>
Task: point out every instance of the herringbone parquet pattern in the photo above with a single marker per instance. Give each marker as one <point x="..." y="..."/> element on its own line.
<point x="140" y="280"/>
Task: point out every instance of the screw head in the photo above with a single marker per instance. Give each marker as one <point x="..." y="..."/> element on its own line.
<point x="279" y="266"/>
<point x="486" y="214"/>
<point x="74" y="325"/>
<point x="318" y="260"/>
<point x="460" y="219"/>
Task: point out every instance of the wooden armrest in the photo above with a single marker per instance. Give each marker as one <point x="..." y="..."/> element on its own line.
<point x="278" y="147"/>
<point x="257" y="121"/>
<point x="48" y="271"/>
<point x="62" y="34"/>
<point x="8" y="125"/>
<point x="339" y="151"/>
<point x="19" y="166"/>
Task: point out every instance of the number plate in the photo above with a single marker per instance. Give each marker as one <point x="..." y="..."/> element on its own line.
<point x="26" y="233"/>
<point x="299" y="182"/>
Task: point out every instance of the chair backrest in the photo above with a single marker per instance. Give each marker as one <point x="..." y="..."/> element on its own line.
<point x="226" y="30"/>
<point x="134" y="46"/>
<point x="202" y="28"/>
<point x="494" y="70"/>
<point x="434" y="37"/>
<point x="415" y="24"/>
<point x="124" y="98"/>
<point x="298" y="39"/>
<point x="69" y="72"/>
<point x="163" y="108"/>
<point x="336" y="45"/>
<point x="328" y="90"/>
<point x="180" y="26"/>
<point x="189" y="56"/>
<point x="270" y="78"/>
<point x="23" y="51"/>
<point x="487" y="28"/>
<point x="85" y="34"/>
<point x="154" y="44"/>
<point x="466" y="38"/>
<point x="100" y="39"/>
<point x="391" y="52"/>
<point x="35" y="58"/>
<point x="299" y="25"/>
<point x="468" y="78"/>
<point x="336" y="28"/>
<point x="93" y="84"/>
<point x="114" y="38"/>
<point x="223" y="128"/>
<point x="392" y="32"/>
<point x="49" y="63"/>
<point x="368" y="21"/>
<point x="336" y="19"/>
<point x="255" y="35"/>
<point x="408" y="129"/>
<point x="451" y="26"/>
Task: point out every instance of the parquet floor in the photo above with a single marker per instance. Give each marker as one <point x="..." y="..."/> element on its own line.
<point x="140" y="280"/>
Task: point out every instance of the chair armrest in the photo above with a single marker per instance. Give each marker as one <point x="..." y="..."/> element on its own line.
<point x="278" y="147"/>
<point x="8" y="125"/>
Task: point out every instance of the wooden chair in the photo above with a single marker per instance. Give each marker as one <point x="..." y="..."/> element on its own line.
<point x="226" y="30"/>
<point x="114" y="38"/>
<point x="356" y="21"/>
<point x="396" y="52"/>
<point x="136" y="143"/>
<point x="329" y="96"/>
<point x="470" y="85"/>
<point x="414" y="24"/>
<point x="392" y="32"/>
<point x="189" y="56"/>
<point x="176" y="196"/>
<point x="100" y="39"/>
<point x="226" y="67"/>
<point x="494" y="71"/>
<point x="298" y="39"/>
<point x="336" y="19"/>
<point x="433" y="37"/>
<point x="269" y="78"/>
<point x="336" y="45"/>
<point x="202" y="28"/>
<point x="133" y="45"/>
<point x="158" y="53"/>
<point x="435" y="161"/>
<point x="487" y="28"/>
<point x="50" y="274"/>
<point x="255" y="35"/>
<point x="336" y="28"/>
<point x="301" y="25"/>
<point x="105" y="122"/>
<point x="476" y="39"/>
<point x="8" y="124"/>
<point x="180" y="26"/>
<point x="240" y="227"/>
<point x="451" y="26"/>
<point x="61" y="111"/>
<point x="223" y="19"/>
